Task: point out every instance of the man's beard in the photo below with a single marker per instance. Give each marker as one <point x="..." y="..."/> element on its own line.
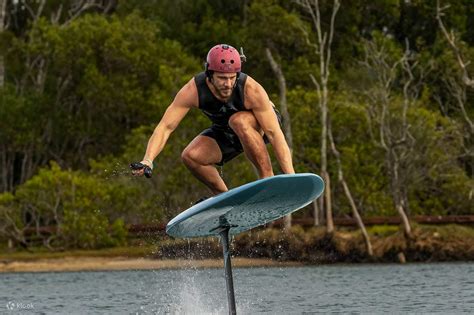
<point x="226" y="91"/>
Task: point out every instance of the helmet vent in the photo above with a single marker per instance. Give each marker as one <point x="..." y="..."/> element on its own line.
<point x="222" y="61"/>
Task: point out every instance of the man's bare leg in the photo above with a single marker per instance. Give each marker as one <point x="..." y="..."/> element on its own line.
<point x="200" y="156"/>
<point x="246" y="127"/>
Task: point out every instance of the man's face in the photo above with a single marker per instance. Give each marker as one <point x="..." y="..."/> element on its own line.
<point x="224" y="83"/>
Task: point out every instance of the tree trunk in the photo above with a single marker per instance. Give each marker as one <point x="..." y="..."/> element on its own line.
<point x="283" y="102"/>
<point x="355" y="212"/>
<point x="405" y="221"/>
<point x="316" y="213"/>
<point x="324" y="160"/>
<point x="348" y="193"/>
<point x="397" y="197"/>
<point x="322" y="45"/>
<point x="3" y="5"/>
<point x="328" y="203"/>
<point x="276" y="68"/>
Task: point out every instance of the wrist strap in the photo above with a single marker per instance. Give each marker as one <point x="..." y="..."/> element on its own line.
<point x="149" y="161"/>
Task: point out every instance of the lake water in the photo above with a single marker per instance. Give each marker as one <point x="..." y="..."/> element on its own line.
<point x="374" y="289"/>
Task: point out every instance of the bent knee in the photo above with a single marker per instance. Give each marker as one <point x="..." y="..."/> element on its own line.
<point x="198" y="156"/>
<point x="189" y="156"/>
<point x="242" y="121"/>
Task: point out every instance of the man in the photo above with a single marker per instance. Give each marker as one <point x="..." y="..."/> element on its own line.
<point x="243" y="119"/>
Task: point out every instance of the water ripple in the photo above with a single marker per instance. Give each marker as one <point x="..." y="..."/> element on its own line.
<point x="394" y="289"/>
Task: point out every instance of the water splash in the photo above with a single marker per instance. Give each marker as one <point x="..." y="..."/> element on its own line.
<point x="189" y="291"/>
<point x="193" y="297"/>
<point x="117" y="170"/>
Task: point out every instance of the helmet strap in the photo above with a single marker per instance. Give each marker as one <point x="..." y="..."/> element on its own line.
<point x="207" y="71"/>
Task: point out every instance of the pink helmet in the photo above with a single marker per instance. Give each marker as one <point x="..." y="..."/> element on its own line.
<point x="223" y="58"/>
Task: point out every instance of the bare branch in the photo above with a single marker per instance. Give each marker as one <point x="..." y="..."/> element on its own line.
<point x="55" y="17"/>
<point x="324" y="41"/>
<point x="40" y="9"/>
<point x="407" y="99"/>
<point x="3" y="7"/>
<point x="451" y="38"/>
<point x="336" y="6"/>
<point x="316" y="84"/>
<point x="30" y="10"/>
<point x="347" y="191"/>
<point x="276" y="68"/>
<point x="308" y="41"/>
<point x="283" y="103"/>
<point x="394" y="134"/>
<point x="80" y="7"/>
<point x="459" y="93"/>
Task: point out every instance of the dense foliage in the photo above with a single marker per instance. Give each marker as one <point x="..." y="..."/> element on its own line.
<point x="83" y="89"/>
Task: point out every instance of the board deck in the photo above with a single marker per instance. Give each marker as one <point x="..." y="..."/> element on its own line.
<point x="247" y="206"/>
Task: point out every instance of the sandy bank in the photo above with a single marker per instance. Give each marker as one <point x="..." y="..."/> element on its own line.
<point x="123" y="263"/>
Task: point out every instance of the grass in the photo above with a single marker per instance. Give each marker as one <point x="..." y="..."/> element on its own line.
<point x="383" y="230"/>
<point x="445" y="230"/>
<point x="450" y="231"/>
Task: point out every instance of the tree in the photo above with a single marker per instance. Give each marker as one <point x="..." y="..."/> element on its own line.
<point x="83" y="210"/>
<point x="452" y="41"/>
<point x="322" y="48"/>
<point x="397" y="143"/>
<point x="458" y="85"/>
<point x="12" y="226"/>
<point x="70" y="75"/>
<point x="348" y="193"/>
<point x="392" y="70"/>
<point x="3" y="6"/>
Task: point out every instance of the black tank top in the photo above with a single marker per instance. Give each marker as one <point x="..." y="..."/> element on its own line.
<point x="219" y="112"/>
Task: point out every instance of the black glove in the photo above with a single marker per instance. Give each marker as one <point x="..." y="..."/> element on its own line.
<point x="136" y="166"/>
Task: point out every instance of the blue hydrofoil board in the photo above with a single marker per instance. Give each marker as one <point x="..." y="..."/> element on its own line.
<point x="248" y="206"/>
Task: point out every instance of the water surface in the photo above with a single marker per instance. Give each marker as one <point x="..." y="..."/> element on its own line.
<point x="394" y="289"/>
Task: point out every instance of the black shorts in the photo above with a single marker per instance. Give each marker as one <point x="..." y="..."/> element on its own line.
<point x="228" y="141"/>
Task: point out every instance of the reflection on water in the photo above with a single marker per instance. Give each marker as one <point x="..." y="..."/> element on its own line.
<point x="417" y="288"/>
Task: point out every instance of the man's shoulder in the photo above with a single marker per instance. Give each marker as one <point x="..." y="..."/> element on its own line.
<point x="188" y="94"/>
<point x="254" y="92"/>
<point x="252" y="86"/>
<point x="251" y="82"/>
<point x="190" y="86"/>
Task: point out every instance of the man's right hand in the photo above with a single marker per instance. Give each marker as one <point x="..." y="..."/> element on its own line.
<point x="141" y="168"/>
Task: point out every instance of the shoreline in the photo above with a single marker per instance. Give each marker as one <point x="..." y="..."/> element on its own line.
<point x="261" y="248"/>
<point x="70" y="264"/>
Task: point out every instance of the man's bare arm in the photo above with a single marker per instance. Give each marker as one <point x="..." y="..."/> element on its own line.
<point x="258" y="102"/>
<point x="182" y="103"/>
